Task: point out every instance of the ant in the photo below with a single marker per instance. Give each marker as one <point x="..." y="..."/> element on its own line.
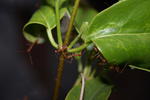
<point x="99" y="55"/>
<point x="70" y="56"/>
<point x="73" y="55"/>
<point x="63" y="50"/>
<point x="30" y="48"/>
<point x="31" y="45"/>
<point x="117" y="68"/>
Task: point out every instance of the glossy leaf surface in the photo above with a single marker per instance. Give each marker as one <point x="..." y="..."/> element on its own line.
<point x="43" y="18"/>
<point x="94" y="90"/>
<point x="122" y="33"/>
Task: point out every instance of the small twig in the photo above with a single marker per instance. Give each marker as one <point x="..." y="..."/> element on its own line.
<point x="82" y="88"/>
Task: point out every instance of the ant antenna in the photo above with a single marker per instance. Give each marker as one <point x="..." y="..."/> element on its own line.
<point x="106" y="4"/>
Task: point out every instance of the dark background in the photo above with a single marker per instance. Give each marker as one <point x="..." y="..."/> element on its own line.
<point x="19" y="78"/>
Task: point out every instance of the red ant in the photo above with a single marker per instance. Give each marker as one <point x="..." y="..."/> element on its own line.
<point x="63" y="50"/>
<point x="99" y="55"/>
<point x="31" y="45"/>
<point x="70" y="56"/>
<point x="117" y="68"/>
<point x="73" y="55"/>
<point x="30" y="48"/>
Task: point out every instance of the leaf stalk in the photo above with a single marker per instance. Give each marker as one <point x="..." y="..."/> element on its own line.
<point x="60" y="42"/>
<point x="83" y="46"/>
<point x="52" y="41"/>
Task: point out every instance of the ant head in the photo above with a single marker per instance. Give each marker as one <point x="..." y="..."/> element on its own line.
<point x="56" y="51"/>
<point x="80" y="53"/>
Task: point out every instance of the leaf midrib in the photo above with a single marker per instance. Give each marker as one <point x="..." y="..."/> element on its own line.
<point x="48" y="26"/>
<point x="124" y="34"/>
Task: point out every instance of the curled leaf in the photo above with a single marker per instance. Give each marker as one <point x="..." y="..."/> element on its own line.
<point x="42" y="19"/>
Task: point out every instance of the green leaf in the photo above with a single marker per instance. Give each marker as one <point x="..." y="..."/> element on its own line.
<point x="133" y="49"/>
<point x="52" y="3"/>
<point x="122" y="33"/>
<point x="84" y="14"/>
<point x="42" y="19"/>
<point x="94" y="90"/>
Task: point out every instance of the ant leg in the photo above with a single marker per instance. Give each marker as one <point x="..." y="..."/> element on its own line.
<point x="124" y="68"/>
<point x="71" y="60"/>
<point x="96" y="55"/>
<point x="102" y="64"/>
<point x="30" y="58"/>
<point x="56" y="53"/>
<point x="103" y="59"/>
<point x="70" y="57"/>
<point x="95" y="50"/>
<point x="30" y="48"/>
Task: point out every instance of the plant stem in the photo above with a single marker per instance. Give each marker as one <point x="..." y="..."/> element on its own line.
<point x="94" y="70"/>
<point x="82" y="30"/>
<point x="74" y="41"/>
<point x="78" y="48"/>
<point x="80" y="65"/>
<point x="86" y="71"/>
<point x="52" y="41"/>
<point x="59" y="75"/>
<point x="71" y="22"/>
<point x="62" y="58"/>
<point x="60" y="42"/>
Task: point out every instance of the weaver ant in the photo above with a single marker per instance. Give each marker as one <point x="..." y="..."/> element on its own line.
<point x="63" y="50"/>
<point x="31" y="45"/>
<point x="30" y="48"/>
<point x="99" y="55"/>
<point x="117" y="68"/>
